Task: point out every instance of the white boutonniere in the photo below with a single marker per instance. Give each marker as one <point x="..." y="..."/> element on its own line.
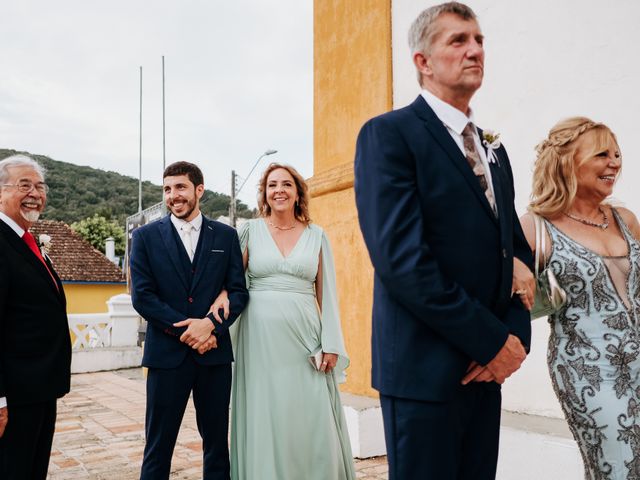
<point x="491" y="140"/>
<point x="44" y="241"/>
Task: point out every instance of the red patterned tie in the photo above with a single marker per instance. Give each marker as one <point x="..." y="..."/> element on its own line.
<point x="31" y="243"/>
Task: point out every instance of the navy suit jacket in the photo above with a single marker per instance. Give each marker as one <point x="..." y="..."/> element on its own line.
<point x="166" y="288"/>
<point x="443" y="261"/>
<point x="35" y="347"/>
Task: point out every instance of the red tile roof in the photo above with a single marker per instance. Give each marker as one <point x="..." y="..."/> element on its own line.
<point x="74" y="259"/>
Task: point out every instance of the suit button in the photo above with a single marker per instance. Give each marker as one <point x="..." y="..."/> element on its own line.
<point x="190" y="299"/>
<point x="504" y="253"/>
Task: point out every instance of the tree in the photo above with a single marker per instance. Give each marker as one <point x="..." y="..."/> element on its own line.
<point x="97" y="229"/>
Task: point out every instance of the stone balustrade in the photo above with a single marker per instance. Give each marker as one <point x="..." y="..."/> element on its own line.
<point x="106" y="341"/>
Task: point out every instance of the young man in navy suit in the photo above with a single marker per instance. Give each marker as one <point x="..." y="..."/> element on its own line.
<point x="35" y="347"/>
<point x="436" y="211"/>
<point x="179" y="265"/>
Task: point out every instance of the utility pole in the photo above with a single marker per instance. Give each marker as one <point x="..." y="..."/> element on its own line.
<point x="232" y="204"/>
<point x="234" y="192"/>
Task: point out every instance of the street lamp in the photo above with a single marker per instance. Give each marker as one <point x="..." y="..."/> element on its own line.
<point x="234" y="192"/>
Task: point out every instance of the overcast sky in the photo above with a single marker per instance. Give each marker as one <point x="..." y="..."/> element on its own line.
<point x="239" y="81"/>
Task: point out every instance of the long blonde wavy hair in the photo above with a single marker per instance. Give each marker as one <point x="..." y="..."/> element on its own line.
<point x="554" y="172"/>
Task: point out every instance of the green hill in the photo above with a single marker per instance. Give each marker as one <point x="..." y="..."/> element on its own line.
<point x="80" y="192"/>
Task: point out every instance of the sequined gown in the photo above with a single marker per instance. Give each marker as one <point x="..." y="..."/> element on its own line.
<point x="593" y="353"/>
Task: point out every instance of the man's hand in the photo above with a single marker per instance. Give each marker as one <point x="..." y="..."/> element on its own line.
<point x="4" y="418"/>
<point x="508" y="359"/>
<point x="524" y="283"/>
<point x="210" y="343"/>
<point x="198" y="331"/>
<point x="477" y="373"/>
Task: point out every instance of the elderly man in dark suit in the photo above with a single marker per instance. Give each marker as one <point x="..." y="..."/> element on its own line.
<point x="179" y="265"/>
<point x="35" y="347"/>
<point x="435" y="202"/>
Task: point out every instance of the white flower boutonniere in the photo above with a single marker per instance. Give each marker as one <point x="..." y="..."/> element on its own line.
<point x="491" y="140"/>
<point x="44" y="241"/>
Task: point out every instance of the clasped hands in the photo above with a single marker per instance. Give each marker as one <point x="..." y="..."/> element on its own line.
<point x="199" y="333"/>
<point x="507" y="361"/>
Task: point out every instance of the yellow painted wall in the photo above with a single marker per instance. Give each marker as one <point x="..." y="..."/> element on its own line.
<point x="90" y="298"/>
<point x="352" y="83"/>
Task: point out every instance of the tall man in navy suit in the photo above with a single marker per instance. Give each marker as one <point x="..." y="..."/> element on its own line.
<point x="35" y="347"/>
<point x="436" y="210"/>
<point x="179" y="265"/>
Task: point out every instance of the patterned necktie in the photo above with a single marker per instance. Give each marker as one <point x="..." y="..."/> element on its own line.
<point x="31" y="243"/>
<point x="476" y="164"/>
<point x="187" y="239"/>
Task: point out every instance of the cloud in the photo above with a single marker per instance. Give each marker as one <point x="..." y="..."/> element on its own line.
<point x="238" y="81"/>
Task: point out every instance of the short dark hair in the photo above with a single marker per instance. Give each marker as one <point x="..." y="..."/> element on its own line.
<point x="191" y="170"/>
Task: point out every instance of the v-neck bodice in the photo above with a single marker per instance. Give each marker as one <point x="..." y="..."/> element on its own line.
<point x="268" y="269"/>
<point x="616" y="277"/>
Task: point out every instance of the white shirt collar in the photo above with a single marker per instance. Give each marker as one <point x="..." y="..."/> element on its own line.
<point x="196" y="223"/>
<point x="448" y="114"/>
<point x="14" y="226"/>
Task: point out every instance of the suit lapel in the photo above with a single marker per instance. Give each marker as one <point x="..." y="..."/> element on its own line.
<point x="23" y="249"/>
<point x="166" y="231"/>
<point x="57" y="279"/>
<point x="207" y="233"/>
<point x="440" y="133"/>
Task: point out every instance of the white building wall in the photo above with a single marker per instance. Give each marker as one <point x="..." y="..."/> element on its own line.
<point x="545" y="60"/>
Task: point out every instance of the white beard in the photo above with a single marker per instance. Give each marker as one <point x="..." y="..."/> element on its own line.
<point x="31" y="216"/>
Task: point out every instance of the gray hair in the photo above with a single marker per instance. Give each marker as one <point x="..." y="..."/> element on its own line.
<point x="423" y="28"/>
<point x="19" y="160"/>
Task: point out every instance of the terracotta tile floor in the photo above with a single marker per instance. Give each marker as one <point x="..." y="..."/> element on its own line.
<point x="100" y="433"/>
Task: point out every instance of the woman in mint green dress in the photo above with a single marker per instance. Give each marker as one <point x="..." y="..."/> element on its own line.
<point x="287" y="421"/>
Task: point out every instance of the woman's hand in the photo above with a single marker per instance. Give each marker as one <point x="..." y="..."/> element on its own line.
<point x="221" y="302"/>
<point x="524" y="284"/>
<point x="329" y="361"/>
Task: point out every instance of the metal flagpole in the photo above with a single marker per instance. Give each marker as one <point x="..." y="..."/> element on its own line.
<point x="164" y="156"/>
<point x="140" y="157"/>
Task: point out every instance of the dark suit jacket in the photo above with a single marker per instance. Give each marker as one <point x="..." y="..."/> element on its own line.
<point x="35" y="347"/>
<point x="443" y="262"/>
<point x="166" y="288"/>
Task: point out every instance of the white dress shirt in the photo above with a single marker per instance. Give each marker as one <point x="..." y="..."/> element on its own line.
<point x="455" y="121"/>
<point x="19" y="231"/>
<point x="190" y="241"/>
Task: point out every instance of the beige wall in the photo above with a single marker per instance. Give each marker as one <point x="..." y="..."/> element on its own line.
<point x="352" y="83"/>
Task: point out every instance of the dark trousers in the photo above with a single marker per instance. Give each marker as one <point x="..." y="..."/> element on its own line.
<point x="25" y="447"/>
<point x="453" y="440"/>
<point x="168" y="391"/>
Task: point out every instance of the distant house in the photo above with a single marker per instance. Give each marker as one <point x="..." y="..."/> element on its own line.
<point x="88" y="277"/>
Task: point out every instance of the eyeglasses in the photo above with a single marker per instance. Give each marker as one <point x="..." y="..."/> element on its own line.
<point x="26" y="187"/>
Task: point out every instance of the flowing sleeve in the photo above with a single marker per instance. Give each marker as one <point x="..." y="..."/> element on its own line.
<point x="332" y="339"/>
<point x="243" y="234"/>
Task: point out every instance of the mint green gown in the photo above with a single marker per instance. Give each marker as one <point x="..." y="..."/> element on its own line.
<point x="287" y="421"/>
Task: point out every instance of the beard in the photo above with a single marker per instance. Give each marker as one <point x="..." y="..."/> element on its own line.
<point x="190" y="207"/>
<point x="31" y="216"/>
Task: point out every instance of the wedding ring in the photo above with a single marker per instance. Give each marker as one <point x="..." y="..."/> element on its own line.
<point x="521" y="292"/>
